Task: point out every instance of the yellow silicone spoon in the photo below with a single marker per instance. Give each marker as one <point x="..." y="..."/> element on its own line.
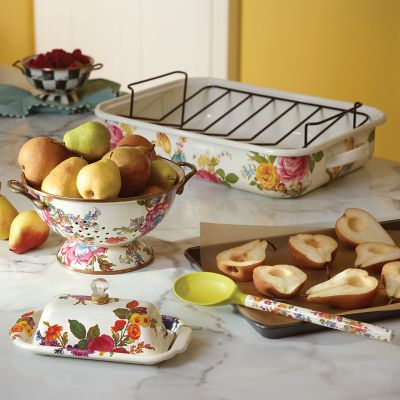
<point x="210" y="289"/>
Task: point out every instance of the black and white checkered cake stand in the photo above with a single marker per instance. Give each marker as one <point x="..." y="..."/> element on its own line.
<point x="57" y="84"/>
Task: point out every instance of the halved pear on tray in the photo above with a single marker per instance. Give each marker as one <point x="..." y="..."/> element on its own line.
<point x="373" y="256"/>
<point x="312" y="251"/>
<point x="239" y="262"/>
<point x="282" y="281"/>
<point x="357" y="226"/>
<point x="391" y="279"/>
<point x="351" y="288"/>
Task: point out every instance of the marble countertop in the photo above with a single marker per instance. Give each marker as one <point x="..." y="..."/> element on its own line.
<point x="227" y="358"/>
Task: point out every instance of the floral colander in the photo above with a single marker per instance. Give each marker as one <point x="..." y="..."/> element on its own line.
<point x="104" y="237"/>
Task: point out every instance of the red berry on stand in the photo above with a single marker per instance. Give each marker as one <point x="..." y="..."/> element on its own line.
<point x="59" y="58"/>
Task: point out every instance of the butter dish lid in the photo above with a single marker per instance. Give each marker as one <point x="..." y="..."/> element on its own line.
<point x="100" y="326"/>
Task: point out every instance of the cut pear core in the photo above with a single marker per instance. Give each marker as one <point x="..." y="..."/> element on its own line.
<point x="356" y="224"/>
<point x="351" y="281"/>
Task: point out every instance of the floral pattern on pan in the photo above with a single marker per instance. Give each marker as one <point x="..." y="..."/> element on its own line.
<point x="123" y="336"/>
<point x="210" y="170"/>
<point x="287" y="175"/>
<point x="275" y="176"/>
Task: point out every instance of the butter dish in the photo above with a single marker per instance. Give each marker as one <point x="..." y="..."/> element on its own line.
<point x="102" y="328"/>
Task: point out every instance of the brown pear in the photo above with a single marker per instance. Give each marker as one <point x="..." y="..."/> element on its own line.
<point x="239" y="262"/>
<point x="38" y="156"/>
<point x="351" y="288"/>
<point x="134" y="166"/>
<point x="283" y="281"/>
<point x="357" y="226"/>
<point x="372" y="256"/>
<point x="312" y="251"/>
<point x="138" y="140"/>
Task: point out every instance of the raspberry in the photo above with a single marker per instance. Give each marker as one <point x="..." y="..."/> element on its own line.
<point x="59" y="58"/>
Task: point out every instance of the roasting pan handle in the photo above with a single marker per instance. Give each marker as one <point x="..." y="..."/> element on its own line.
<point x="347" y="157"/>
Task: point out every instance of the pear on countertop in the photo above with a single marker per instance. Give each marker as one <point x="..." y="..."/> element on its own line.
<point x="27" y="232"/>
<point x="7" y="214"/>
<point x="61" y="180"/>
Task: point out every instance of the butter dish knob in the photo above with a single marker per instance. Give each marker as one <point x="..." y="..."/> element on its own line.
<point x="99" y="294"/>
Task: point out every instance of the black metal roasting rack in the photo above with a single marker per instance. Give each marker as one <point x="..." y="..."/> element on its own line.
<point x="303" y="123"/>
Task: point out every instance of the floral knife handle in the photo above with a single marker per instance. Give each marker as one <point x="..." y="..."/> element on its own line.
<point x="320" y="318"/>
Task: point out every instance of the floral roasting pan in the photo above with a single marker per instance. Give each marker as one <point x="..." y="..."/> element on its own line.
<point x="266" y="141"/>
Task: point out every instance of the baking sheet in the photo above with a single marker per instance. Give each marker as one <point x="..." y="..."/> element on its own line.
<point x="215" y="238"/>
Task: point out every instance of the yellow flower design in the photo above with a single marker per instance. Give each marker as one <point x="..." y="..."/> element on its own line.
<point x="163" y="142"/>
<point x="127" y="129"/>
<point x="144" y="321"/>
<point x="136" y="318"/>
<point x="28" y="330"/>
<point x="203" y="161"/>
<point x="266" y="176"/>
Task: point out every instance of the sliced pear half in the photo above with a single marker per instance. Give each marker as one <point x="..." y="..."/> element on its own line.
<point x="312" y="251"/>
<point x="374" y="255"/>
<point x="351" y="288"/>
<point x="239" y="262"/>
<point x="283" y="281"/>
<point x="391" y="279"/>
<point x="357" y="226"/>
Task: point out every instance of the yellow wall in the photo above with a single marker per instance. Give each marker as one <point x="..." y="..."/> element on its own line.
<point x="342" y="49"/>
<point x="16" y="30"/>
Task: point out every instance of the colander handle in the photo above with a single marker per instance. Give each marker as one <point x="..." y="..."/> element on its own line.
<point x="17" y="187"/>
<point x="96" y="66"/>
<point x="192" y="172"/>
<point x="16" y="64"/>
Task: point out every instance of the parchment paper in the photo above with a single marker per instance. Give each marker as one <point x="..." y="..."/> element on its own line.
<point x="215" y="238"/>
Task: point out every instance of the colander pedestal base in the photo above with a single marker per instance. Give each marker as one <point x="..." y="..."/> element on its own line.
<point x="105" y="260"/>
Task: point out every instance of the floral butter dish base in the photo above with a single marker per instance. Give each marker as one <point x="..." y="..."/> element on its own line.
<point x="97" y="327"/>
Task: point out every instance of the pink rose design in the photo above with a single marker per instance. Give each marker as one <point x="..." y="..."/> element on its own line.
<point x="101" y="343"/>
<point x="207" y="175"/>
<point x="79" y="253"/>
<point x="292" y="168"/>
<point x="116" y="134"/>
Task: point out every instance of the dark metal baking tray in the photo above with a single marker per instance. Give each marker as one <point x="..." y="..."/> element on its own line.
<point x="281" y="331"/>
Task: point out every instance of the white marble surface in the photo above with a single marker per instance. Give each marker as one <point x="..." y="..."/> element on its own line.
<point x="227" y="359"/>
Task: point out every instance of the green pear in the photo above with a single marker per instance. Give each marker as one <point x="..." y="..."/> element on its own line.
<point x="162" y="174"/>
<point x="99" y="181"/>
<point x="27" y="231"/>
<point x="7" y="215"/>
<point x="61" y="180"/>
<point x="91" y="140"/>
<point x="134" y="165"/>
